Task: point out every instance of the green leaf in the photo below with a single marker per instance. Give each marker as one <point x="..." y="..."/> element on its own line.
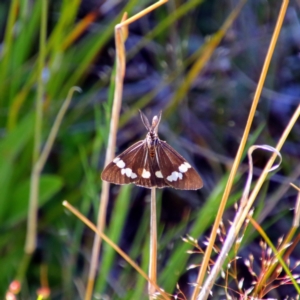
<point x="114" y="232"/>
<point x="49" y="186"/>
<point x="10" y="147"/>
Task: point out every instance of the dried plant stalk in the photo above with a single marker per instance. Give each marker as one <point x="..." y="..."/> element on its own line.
<point x="205" y="292"/>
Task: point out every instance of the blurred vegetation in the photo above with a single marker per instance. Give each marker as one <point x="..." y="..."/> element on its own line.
<point x="206" y="106"/>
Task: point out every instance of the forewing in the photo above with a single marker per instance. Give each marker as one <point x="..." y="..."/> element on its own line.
<point x="176" y="171"/>
<point x="136" y="166"/>
<point x="121" y="169"/>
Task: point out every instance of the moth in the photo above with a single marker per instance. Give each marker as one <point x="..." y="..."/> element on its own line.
<point x="152" y="163"/>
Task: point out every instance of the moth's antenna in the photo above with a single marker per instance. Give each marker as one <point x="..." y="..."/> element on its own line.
<point x="145" y="121"/>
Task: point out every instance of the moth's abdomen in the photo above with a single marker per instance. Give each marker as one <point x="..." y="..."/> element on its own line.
<point x="152" y="151"/>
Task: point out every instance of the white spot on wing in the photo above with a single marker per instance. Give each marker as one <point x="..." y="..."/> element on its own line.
<point x="183" y="168"/>
<point x="116" y="160"/>
<point x="145" y="174"/>
<point x="126" y="171"/>
<point x="120" y="164"/>
<point x="188" y="165"/>
<point x="133" y="175"/>
<point x="174" y="176"/>
<point x="158" y="174"/>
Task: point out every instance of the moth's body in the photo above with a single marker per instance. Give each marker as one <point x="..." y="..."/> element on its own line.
<point x="152" y="143"/>
<point x="152" y="163"/>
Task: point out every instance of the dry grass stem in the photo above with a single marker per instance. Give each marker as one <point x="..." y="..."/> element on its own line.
<point x="153" y="244"/>
<point x="113" y="245"/>
<point x="142" y="13"/>
<point x="120" y="67"/>
<point x="205" y="292"/>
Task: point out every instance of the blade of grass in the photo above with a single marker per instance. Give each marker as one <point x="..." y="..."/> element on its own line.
<point x="278" y="255"/>
<point x="114" y="232"/>
<point x="30" y="243"/>
<point x="10" y="147"/>
<point x="207" y="52"/>
<point x="93" y="50"/>
<point x="21" y="50"/>
<point x="8" y="41"/>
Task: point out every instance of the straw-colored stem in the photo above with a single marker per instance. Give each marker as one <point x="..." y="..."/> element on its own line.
<point x="30" y="243"/>
<point x="229" y="184"/>
<point x="153" y="244"/>
<point x="113" y="245"/>
<point x="120" y="67"/>
<point x="143" y="13"/>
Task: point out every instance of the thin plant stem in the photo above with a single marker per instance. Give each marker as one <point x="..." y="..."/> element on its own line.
<point x="153" y="244"/>
<point x="30" y="243"/>
<point x="120" y="67"/>
<point x="142" y="13"/>
<point x="54" y="130"/>
<point x="39" y="165"/>
<point x="121" y="33"/>
<point x="276" y="196"/>
<point x="237" y="160"/>
<point x="113" y="245"/>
